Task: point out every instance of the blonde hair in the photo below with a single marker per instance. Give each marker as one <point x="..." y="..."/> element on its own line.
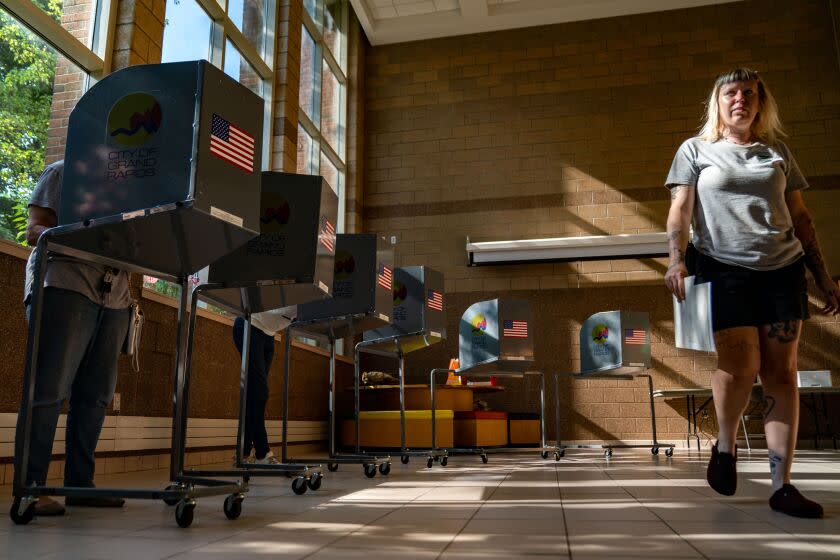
<point x="766" y="126"/>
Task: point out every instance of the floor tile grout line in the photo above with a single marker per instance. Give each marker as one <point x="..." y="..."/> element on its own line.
<point x="563" y="509"/>
<point x="370" y="522"/>
<point x="686" y="541"/>
<point x="468" y="521"/>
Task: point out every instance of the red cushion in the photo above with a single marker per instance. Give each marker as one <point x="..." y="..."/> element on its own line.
<point x="479" y="415"/>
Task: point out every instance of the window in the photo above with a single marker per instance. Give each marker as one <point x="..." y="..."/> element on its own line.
<point x="233" y="36"/>
<point x="38" y="89"/>
<point x="321" y="141"/>
<point x="323" y="95"/>
<point x="186" y="34"/>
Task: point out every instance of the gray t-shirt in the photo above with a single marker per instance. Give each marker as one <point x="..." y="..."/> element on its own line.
<point x="67" y="272"/>
<point x="740" y="215"/>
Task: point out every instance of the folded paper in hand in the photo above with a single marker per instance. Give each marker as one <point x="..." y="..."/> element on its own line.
<point x="693" y="317"/>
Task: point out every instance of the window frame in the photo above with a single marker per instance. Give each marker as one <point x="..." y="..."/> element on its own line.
<point x="323" y="55"/>
<point x="95" y="61"/>
<point x="223" y="29"/>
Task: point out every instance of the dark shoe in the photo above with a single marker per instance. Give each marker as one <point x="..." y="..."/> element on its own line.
<point x="788" y="500"/>
<point x="48" y="508"/>
<point x="721" y="474"/>
<point x="94" y="501"/>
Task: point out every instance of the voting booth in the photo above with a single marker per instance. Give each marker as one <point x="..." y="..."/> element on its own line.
<point x="161" y="176"/>
<point x="615" y="345"/>
<point x="292" y="260"/>
<point x="162" y="167"/>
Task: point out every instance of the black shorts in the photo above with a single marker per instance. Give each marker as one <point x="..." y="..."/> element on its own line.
<point x="742" y="297"/>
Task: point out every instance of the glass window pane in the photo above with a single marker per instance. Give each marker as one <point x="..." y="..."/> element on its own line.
<point x="186" y="32"/>
<point x="331" y="98"/>
<point x="77" y="17"/>
<point x="309" y="77"/>
<point x="307" y="153"/>
<point x="311" y="8"/>
<point x="249" y="17"/>
<point x="38" y="89"/>
<point x="239" y="69"/>
<point x="334" y="27"/>
<point x="330" y="173"/>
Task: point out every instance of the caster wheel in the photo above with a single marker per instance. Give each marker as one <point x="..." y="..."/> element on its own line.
<point x="557" y="455"/>
<point x="429" y="463"/>
<point x="184" y="513"/>
<point x="299" y="485"/>
<point x="484" y="459"/>
<point x="172" y="488"/>
<point x="669" y="452"/>
<point x="544" y="454"/>
<point x="21" y="518"/>
<point x="654" y="451"/>
<point x="370" y="471"/>
<point x="444" y="461"/>
<point x="314" y="481"/>
<point x="233" y="506"/>
<point x="385" y="469"/>
<point x="404" y="459"/>
<point x="332" y="467"/>
<point x="608" y="453"/>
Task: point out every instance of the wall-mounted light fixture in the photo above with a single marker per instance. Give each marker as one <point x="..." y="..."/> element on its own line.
<point x="623" y="246"/>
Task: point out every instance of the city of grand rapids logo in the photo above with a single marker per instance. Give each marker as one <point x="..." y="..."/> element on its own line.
<point x="600" y="335"/>
<point x="134" y="119"/>
<point x="479" y="325"/>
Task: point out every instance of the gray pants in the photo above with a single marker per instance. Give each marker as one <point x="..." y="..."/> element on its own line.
<point x="77" y="360"/>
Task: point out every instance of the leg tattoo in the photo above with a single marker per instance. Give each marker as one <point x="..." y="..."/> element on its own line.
<point x="777" y="470"/>
<point x="769" y="403"/>
<point x="784" y="331"/>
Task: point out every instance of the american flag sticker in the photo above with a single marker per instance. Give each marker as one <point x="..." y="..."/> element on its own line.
<point x="435" y="300"/>
<point x="515" y="329"/>
<point x="635" y="336"/>
<point x="326" y="234"/>
<point x="385" y="277"/>
<point x="232" y="144"/>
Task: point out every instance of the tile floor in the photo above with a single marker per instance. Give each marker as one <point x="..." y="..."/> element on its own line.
<point x="517" y="506"/>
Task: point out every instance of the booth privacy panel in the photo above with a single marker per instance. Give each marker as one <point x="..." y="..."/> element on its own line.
<point x="362" y="289"/>
<point x="615" y="342"/>
<point x="497" y="332"/>
<point x="169" y="139"/>
<point x="293" y="258"/>
<point x="418" y="300"/>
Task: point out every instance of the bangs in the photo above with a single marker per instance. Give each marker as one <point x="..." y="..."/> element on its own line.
<point x="737" y="75"/>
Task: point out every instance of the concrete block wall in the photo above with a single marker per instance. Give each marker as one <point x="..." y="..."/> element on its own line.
<point x="569" y="130"/>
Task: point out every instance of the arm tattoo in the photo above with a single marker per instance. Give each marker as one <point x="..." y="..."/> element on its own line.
<point x="807" y="234"/>
<point x="784" y="331"/>
<point x="769" y="404"/>
<point x="676" y="253"/>
<point x="675" y="191"/>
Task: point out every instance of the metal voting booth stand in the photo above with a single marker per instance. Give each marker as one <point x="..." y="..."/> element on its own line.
<point x="150" y="196"/>
<point x="362" y="300"/>
<point x="615" y="345"/>
<point x="290" y="262"/>
<point x="419" y="321"/>
<point x="495" y="337"/>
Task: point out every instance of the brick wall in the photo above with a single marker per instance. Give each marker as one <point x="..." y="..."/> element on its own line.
<point x="569" y="130"/>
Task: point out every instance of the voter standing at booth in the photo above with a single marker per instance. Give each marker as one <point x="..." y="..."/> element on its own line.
<point x="264" y="327"/>
<point x="740" y="188"/>
<point x="85" y="321"/>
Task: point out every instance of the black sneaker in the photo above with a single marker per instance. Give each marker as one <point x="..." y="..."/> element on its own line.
<point x="788" y="500"/>
<point x="721" y="474"/>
